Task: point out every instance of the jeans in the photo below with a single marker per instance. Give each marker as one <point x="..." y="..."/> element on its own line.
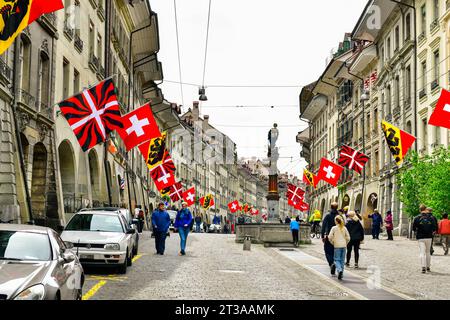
<point x="197" y="227"/>
<point x="424" y="252"/>
<point x="183" y="232"/>
<point x="329" y="252"/>
<point x="160" y="241"/>
<point x="295" y="236"/>
<point x="353" y="244"/>
<point x="376" y="231"/>
<point x="339" y="257"/>
<point x="445" y="239"/>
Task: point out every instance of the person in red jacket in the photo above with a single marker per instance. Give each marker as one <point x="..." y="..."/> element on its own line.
<point x="444" y="231"/>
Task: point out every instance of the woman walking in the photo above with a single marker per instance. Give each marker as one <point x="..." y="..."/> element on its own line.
<point x="356" y="231"/>
<point x="182" y="223"/>
<point x="339" y="238"/>
<point x="388" y="222"/>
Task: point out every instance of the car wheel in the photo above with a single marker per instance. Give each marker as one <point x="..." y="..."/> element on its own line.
<point x="79" y="295"/>
<point x="130" y="260"/>
<point x="123" y="266"/>
<point x="135" y="249"/>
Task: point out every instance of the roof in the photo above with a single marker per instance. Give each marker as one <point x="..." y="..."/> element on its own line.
<point x="23" y="228"/>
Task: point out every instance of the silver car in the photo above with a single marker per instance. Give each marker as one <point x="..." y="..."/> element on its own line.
<point x="101" y="238"/>
<point x="35" y="264"/>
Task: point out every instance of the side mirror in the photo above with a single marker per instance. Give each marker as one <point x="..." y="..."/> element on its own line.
<point x="68" y="257"/>
<point x="69" y="245"/>
<point x="131" y="231"/>
<point x="60" y="228"/>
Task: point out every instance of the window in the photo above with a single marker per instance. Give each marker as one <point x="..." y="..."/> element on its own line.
<point x="25" y="63"/>
<point x="424" y="75"/>
<point x="436" y="10"/>
<point x="66" y="72"/>
<point x="368" y="125"/>
<point x="375" y="120"/>
<point x="388" y="100"/>
<point x="388" y="48"/>
<point x="408" y="27"/>
<point x="424" y="133"/>
<point x="408" y="84"/>
<point x="409" y="127"/>
<point x="423" y="13"/>
<point x="397" y="92"/>
<point x="377" y="163"/>
<point x="397" y="38"/>
<point x="382" y="54"/>
<point x="44" y="81"/>
<point x="99" y="48"/>
<point x="76" y="81"/>
<point x="436" y="66"/>
<point x="91" y="38"/>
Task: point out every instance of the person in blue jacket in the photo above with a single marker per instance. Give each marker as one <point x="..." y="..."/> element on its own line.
<point x="377" y="223"/>
<point x="295" y="227"/>
<point x="182" y="223"/>
<point x="160" y="223"/>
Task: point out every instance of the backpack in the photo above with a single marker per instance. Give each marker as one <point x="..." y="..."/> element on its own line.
<point x="426" y="225"/>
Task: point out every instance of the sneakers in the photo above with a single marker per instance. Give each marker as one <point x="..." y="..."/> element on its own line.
<point x="356" y="266"/>
<point x="347" y="264"/>
<point x="333" y="269"/>
<point x="341" y="275"/>
<point x="424" y="270"/>
<point x="446" y="252"/>
<point x="428" y="270"/>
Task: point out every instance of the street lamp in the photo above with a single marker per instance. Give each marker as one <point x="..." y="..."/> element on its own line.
<point x="364" y="98"/>
<point x="202" y="94"/>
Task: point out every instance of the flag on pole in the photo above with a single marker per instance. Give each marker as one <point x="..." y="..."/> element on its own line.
<point x="294" y="192"/>
<point x="352" y="159"/>
<point x="310" y="178"/>
<point x="17" y="15"/>
<point x="234" y="206"/>
<point x="139" y="126"/>
<point x="93" y="114"/>
<point x="330" y="172"/>
<point x="189" y="196"/>
<point x="399" y="141"/>
<point x="207" y="202"/>
<point x="441" y="114"/>
<point x="254" y="212"/>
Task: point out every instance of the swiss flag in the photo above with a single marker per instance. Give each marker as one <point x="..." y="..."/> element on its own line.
<point x="139" y="126"/>
<point x="234" y="206"/>
<point x="189" y="196"/>
<point x="254" y="212"/>
<point x="295" y="203"/>
<point x="441" y="114"/>
<point x="295" y="193"/>
<point x="330" y="172"/>
<point x="304" y="207"/>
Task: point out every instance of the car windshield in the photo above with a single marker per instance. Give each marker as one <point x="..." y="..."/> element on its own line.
<point x="18" y="246"/>
<point x="95" y="222"/>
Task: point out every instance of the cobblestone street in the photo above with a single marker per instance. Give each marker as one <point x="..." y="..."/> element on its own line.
<point x="398" y="263"/>
<point x="215" y="268"/>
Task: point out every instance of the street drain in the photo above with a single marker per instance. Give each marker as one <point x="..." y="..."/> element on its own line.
<point x="287" y="250"/>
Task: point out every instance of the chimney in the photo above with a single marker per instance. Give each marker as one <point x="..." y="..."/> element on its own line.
<point x="205" y="122"/>
<point x="195" y="111"/>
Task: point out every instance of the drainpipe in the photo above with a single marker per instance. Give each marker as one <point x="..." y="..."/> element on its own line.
<point x="17" y="130"/>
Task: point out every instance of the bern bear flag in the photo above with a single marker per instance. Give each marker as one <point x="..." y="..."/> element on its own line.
<point x="17" y="15"/>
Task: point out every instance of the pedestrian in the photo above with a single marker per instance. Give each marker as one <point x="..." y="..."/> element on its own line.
<point x="356" y="231"/>
<point x="429" y="211"/>
<point x="339" y="238"/>
<point x="160" y="223"/>
<point x="241" y="219"/>
<point x="389" y="224"/>
<point x="377" y="223"/>
<point x="328" y="224"/>
<point x="182" y="223"/>
<point x="281" y="221"/>
<point x="225" y="228"/>
<point x="141" y="218"/>
<point x="315" y="220"/>
<point x="295" y="227"/>
<point x="444" y="231"/>
<point x="287" y="220"/>
<point x="198" y="222"/>
<point x="424" y="226"/>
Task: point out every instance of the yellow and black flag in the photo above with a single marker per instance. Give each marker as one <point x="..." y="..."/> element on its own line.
<point x="398" y="141"/>
<point x="16" y="15"/>
<point x="310" y="178"/>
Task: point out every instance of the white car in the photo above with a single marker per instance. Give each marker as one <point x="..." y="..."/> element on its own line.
<point x="215" y="228"/>
<point x="101" y="238"/>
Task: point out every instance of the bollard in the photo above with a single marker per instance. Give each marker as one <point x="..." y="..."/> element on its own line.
<point x="247" y="243"/>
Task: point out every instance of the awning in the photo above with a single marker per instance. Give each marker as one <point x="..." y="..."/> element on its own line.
<point x="369" y="25"/>
<point x="366" y="56"/>
<point x="316" y="105"/>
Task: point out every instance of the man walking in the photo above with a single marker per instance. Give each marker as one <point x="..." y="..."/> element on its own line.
<point x="424" y="226"/>
<point x="160" y="223"/>
<point x="198" y="222"/>
<point x="328" y="224"/>
<point x="444" y="231"/>
<point x="182" y="223"/>
<point x="377" y="223"/>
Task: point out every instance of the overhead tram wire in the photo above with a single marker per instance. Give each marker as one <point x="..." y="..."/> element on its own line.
<point x="234" y="85"/>
<point x="178" y="49"/>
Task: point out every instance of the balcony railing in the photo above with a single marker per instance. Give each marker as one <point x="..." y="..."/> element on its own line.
<point x="79" y="44"/>
<point x="448" y="5"/>
<point x="69" y="31"/>
<point x="50" y="17"/>
<point x="397" y="111"/>
<point x="101" y="12"/>
<point x="5" y="72"/>
<point x="45" y="110"/>
<point x="93" y="62"/>
<point x="434" y="25"/>
<point x="27" y="99"/>
<point x="434" y="84"/>
<point x="421" y="37"/>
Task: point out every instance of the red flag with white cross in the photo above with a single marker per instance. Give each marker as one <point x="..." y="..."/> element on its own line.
<point x="234" y="206"/>
<point x="441" y="114"/>
<point x="254" y="212"/>
<point x="294" y="203"/>
<point x="295" y="193"/>
<point x="330" y="172"/>
<point x="176" y="192"/>
<point x="139" y="126"/>
<point x="189" y="196"/>
<point x="304" y="207"/>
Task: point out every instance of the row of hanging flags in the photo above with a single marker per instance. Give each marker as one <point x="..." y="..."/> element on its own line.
<point x="398" y="141"/>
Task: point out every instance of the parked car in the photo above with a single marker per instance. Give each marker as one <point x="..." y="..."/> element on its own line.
<point x="131" y="222"/>
<point x="35" y="264"/>
<point x="215" y="228"/>
<point x="101" y="238"/>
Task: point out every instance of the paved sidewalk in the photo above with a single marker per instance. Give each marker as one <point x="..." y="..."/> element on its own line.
<point x="399" y="267"/>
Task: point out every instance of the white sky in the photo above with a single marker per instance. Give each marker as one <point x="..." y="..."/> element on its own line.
<point x="252" y="42"/>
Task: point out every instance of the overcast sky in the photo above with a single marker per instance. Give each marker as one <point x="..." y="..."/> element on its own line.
<point x="252" y="42"/>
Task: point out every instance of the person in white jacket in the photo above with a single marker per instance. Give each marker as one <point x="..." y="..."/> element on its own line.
<point x="339" y="237"/>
